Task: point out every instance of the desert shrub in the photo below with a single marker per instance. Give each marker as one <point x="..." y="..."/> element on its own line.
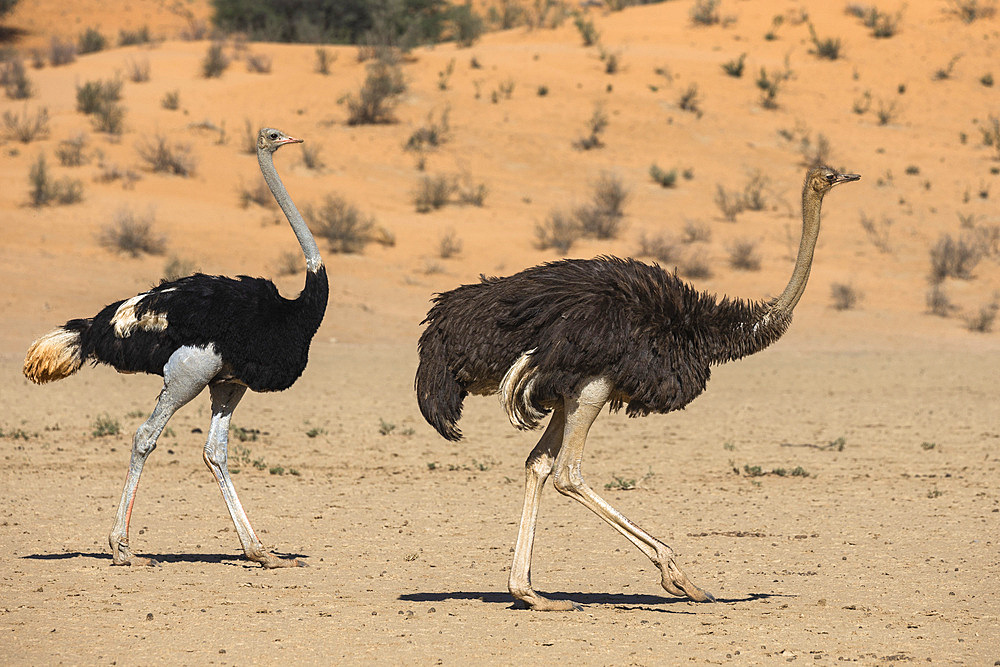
<point x="955" y="259"/>
<point x="14" y="79"/>
<point x="258" y="63"/>
<point x="472" y="193"/>
<point x="92" y="95"/>
<point x="734" y="68"/>
<point x="467" y="26"/>
<point x="431" y="134"/>
<point x="449" y="245"/>
<point x="695" y="232"/>
<point x="323" y="61"/>
<point x="132" y="234"/>
<point x="754" y="197"/>
<point x="814" y="152"/>
<point x="886" y="112"/>
<point x="827" y="48"/>
<point x="689" y="100"/>
<point x="112" y="172"/>
<point x="982" y="321"/>
<point x="661" y="248"/>
<point x="969" y="11"/>
<point x="137" y="71"/>
<point x="987" y="80"/>
<point x="730" y="203"/>
<point x="378" y="96"/>
<point x="109" y="118"/>
<point x="27" y="127"/>
<point x="433" y="192"/>
<point x="248" y="140"/>
<point x="215" y="61"/>
<point x="45" y="191"/>
<point x="595" y="126"/>
<point x="162" y="156"/>
<point x="943" y="73"/>
<point x="602" y="217"/>
<point x="878" y="232"/>
<point x="843" y="296"/>
<point x="340" y="223"/>
<point x="705" y="12"/>
<point x="90" y="41"/>
<point x="258" y="194"/>
<point x="177" y="267"/>
<point x="666" y="179"/>
<point x="132" y="37"/>
<point x="990" y="131"/>
<point x="588" y="33"/>
<point x="558" y="231"/>
<point x="311" y="157"/>
<point x="171" y="100"/>
<point x="289" y="263"/>
<point x="610" y="60"/>
<point x="695" y="266"/>
<point x="743" y="255"/>
<point x="938" y="303"/>
<point x="70" y="151"/>
<point x="61" y="52"/>
<point x="769" y="85"/>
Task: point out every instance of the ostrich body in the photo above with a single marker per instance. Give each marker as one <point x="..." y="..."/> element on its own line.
<point x="568" y="337"/>
<point x="228" y="334"/>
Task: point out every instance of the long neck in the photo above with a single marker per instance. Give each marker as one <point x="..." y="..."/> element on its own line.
<point x="812" y="201"/>
<point x="302" y="233"/>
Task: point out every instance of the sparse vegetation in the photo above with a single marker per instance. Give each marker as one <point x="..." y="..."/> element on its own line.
<point x="258" y="63"/>
<point x="14" y="79"/>
<point x="730" y="203"/>
<point x="45" y="191"/>
<point x="878" y="232"/>
<point x="90" y="41"/>
<point x="431" y="134"/>
<point x="105" y="425"/>
<point x="595" y="126"/>
<point x="695" y="231"/>
<point x="734" y="68"/>
<point x="602" y="217"/>
<point x="955" y="259"/>
<point x="93" y="95"/>
<point x="132" y="234"/>
<point x="61" y="52"/>
<point x="177" y="267"/>
<point x="171" y="100"/>
<point x="659" y="247"/>
<point x="162" y="156"/>
<point x="70" y="151"/>
<point x="472" y="193"/>
<point x="666" y="179"/>
<point x="323" y="61"/>
<point x="844" y="296"/>
<point x="827" y="48"/>
<point x="769" y="85"/>
<point x="558" y="231"/>
<point x="140" y="35"/>
<point x="110" y="118"/>
<point x="945" y="72"/>
<point x="587" y="30"/>
<point x="743" y="256"/>
<point x="695" y="266"/>
<point x="467" y="25"/>
<point x="378" y="96"/>
<point x="969" y="11"/>
<point x="215" y="61"/>
<point x="340" y="223"/>
<point x="886" y="112"/>
<point x="311" y="157"/>
<point x="258" y="194"/>
<point x="137" y="71"/>
<point x="433" y="192"/>
<point x="990" y="131"/>
<point x="705" y="12"/>
<point x="449" y="245"/>
<point x="689" y="100"/>
<point x="27" y="127"/>
<point x="982" y="320"/>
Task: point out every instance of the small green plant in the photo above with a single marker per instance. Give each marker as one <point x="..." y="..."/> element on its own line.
<point x="595" y="126"/>
<point x="433" y="192"/>
<point x="666" y="179"/>
<point x="245" y="435"/>
<point x="90" y="41"/>
<point x="558" y="231"/>
<point x="385" y="428"/>
<point x="827" y="48"/>
<point x="620" y="484"/>
<point x="844" y="296"/>
<point x="769" y="85"/>
<point x="927" y="446"/>
<point x="743" y="256"/>
<point x="132" y="234"/>
<point x="215" y="61"/>
<point x="14" y="79"/>
<point x="162" y="156"/>
<point x="105" y="425"/>
<point x="171" y="100"/>
<point x="26" y="128"/>
<point x="340" y="223"/>
<point x="734" y="68"/>
<point x="315" y="432"/>
<point x="934" y="493"/>
<point x="587" y="30"/>
<point x="705" y="12"/>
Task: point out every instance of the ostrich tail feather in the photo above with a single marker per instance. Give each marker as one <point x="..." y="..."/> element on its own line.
<point x="54" y="356"/>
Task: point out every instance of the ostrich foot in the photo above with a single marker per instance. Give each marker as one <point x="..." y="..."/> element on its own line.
<point x="122" y="555"/>
<point x="536" y="602"/>
<point x="675" y="582"/>
<point x="270" y="561"/>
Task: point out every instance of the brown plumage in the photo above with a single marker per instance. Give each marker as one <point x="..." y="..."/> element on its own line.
<point x="574" y="334"/>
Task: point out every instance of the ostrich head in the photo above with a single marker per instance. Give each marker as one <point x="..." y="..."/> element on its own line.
<point x="270" y="140"/>
<point x="822" y="179"/>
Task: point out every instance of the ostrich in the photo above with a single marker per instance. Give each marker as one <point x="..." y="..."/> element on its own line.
<point x="568" y="337"/>
<point x="228" y="334"/>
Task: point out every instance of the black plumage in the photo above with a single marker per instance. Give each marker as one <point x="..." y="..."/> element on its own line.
<point x="262" y="337"/>
<point x="653" y="335"/>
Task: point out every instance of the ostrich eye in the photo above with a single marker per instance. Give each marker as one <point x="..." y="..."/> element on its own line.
<point x="274" y="135"/>
<point x="830" y="177"/>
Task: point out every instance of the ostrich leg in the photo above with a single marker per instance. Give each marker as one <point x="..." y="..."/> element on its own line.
<point x="225" y="398"/>
<point x="185" y="374"/>
<point x="536" y="471"/>
<point x="581" y="411"/>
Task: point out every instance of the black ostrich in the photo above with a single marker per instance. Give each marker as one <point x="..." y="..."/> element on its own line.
<point x="569" y="337"/>
<point x="228" y="334"/>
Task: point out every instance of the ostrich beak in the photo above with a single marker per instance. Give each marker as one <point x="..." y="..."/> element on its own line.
<point x="293" y="140"/>
<point x="847" y="178"/>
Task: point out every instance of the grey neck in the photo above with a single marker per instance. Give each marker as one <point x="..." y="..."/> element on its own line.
<point x="302" y="233"/>
<point x="811" y="203"/>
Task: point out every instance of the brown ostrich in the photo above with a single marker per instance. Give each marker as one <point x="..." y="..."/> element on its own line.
<point x="569" y="337"/>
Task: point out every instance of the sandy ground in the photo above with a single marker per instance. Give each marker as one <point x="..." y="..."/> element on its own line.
<point x="885" y="550"/>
